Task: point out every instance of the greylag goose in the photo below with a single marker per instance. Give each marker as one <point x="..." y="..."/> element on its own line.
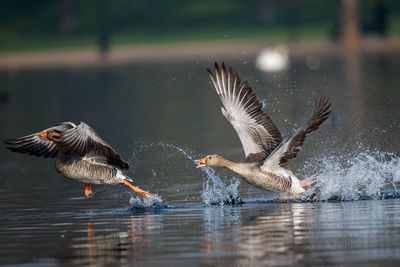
<point x="266" y="151"/>
<point x="81" y="155"/>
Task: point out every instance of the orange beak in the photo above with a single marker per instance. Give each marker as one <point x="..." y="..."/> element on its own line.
<point x="203" y="160"/>
<point x="43" y="134"/>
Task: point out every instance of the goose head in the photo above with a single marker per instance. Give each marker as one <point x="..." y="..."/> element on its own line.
<point x="51" y="134"/>
<point x="55" y="133"/>
<point x="211" y="160"/>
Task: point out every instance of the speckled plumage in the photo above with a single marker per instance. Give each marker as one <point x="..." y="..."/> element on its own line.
<point x="81" y="154"/>
<point x="266" y="151"/>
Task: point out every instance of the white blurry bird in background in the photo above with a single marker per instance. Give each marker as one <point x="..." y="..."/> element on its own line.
<point x="273" y="59"/>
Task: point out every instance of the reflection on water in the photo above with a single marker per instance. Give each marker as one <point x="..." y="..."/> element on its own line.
<point x="267" y="234"/>
<point x="109" y="246"/>
<point x="287" y="234"/>
<point x="160" y="117"/>
<point x="275" y="238"/>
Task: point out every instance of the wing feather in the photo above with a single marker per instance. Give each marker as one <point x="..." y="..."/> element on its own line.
<point x="321" y="113"/>
<point x="83" y="140"/>
<point x="257" y="132"/>
<point x="33" y="145"/>
<point x="292" y="145"/>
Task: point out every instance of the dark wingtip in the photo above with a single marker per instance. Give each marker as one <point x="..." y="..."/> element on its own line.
<point x="230" y="70"/>
<point x="322" y="103"/>
<point x="321" y="114"/>
<point x="216" y="67"/>
<point x="7" y="141"/>
<point x="11" y="143"/>
<point x="126" y="166"/>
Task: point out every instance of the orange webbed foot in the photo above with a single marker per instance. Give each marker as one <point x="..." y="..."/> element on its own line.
<point x="137" y="189"/>
<point x="88" y="189"/>
<point x="305" y="183"/>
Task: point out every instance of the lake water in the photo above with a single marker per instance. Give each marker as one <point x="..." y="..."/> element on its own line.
<point x="160" y="117"/>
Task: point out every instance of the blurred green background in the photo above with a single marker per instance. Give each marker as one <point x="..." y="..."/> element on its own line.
<point x="50" y="24"/>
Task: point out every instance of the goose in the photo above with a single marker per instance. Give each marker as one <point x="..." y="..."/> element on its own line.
<point x="273" y="59"/>
<point x="81" y="155"/>
<point x="266" y="151"/>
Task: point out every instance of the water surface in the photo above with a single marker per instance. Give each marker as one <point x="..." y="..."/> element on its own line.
<point x="160" y="117"/>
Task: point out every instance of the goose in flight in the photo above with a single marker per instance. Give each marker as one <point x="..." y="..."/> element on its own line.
<point x="265" y="149"/>
<point x="81" y="155"/>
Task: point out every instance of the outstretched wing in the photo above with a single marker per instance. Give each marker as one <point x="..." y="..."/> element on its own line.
<point x="36" y="144"/>
<point x="292" y="146"/>
<point x="33" y="145"/>
<point x="257" y="132"/>
<point x="83" y="140"/>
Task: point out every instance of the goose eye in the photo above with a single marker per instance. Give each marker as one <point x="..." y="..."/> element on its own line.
<point x="209" y="157"/>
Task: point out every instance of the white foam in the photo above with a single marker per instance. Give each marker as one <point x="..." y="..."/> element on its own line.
<point x="154" y="201"/>
<point x="365" y="175"/>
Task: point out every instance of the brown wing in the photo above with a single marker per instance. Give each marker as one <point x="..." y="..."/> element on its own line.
<point x="257" y="132"/>
<point x="84" y="141"/>
<point x="33" y="145"/>
<point x="321" y="113"/>
<point x="37" y="145"/>
<point x="291" y="147"/>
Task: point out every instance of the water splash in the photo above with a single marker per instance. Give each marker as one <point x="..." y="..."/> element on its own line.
<point x="152" y="202"/>
<point x="214" y="190"/>
<point x="216" y="193"/>
<point x="368" y="175"/>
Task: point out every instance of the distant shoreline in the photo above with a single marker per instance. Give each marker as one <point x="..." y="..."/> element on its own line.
<point x="179" y="52"/>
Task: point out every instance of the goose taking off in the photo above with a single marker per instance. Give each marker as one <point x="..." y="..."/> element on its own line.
<point x="266" y="151"/>
<point x="81" y="155"/>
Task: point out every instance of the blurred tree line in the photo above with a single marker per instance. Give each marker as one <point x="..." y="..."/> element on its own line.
<point x="21" y="19"/>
